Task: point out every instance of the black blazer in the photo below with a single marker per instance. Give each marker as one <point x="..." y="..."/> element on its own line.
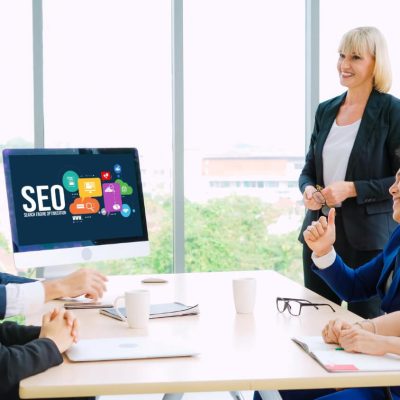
<point x="22" y="354"/>
<point x="373" y="162"/>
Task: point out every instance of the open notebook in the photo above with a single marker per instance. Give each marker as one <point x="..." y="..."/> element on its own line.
<point x="335" y="359"/>
<point x="123" y="348"/>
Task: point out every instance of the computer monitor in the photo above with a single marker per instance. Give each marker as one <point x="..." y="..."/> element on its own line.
<point x="68" y="206"/>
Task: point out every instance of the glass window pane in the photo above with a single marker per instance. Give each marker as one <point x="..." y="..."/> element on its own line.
<point x="16" y="97"/>
<point x="244" y="134"/>
<point x="107" y="83"/>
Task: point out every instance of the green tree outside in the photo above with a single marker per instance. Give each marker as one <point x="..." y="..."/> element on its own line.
<point x="220" y="235"/>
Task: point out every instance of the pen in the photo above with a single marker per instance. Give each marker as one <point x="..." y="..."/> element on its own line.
<point x="339" y="348"/>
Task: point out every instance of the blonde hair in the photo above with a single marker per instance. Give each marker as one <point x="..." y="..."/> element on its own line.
<point x="368" y="39"/>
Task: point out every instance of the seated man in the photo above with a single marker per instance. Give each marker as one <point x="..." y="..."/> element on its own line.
<point x="20" y="295"/>
<point x="28" y="350"/>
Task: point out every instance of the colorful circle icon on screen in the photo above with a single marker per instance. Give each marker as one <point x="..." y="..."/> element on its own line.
<point x="126" y="210"/>
<point x="70" y="181"/>
<point x="117" y="168"/>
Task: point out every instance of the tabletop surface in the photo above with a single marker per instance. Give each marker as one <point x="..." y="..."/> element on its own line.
<point x="237" y="351"/>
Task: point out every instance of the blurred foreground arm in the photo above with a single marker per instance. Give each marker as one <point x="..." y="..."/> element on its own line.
<point x="86" y="282"/>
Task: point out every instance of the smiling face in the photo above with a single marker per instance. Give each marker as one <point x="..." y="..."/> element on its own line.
<point x="356" y="70"/>
<point x="394" y="190"/>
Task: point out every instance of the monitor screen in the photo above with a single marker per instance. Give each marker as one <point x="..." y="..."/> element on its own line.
<point x="73" y="205"/>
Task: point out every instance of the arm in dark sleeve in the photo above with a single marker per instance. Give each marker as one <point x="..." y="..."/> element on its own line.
<point x="12" y="333"/>
<point x="9" y="278"/>
<point x="352" y="284"/>
<point x="20" y="361"/>
<point x="308" y="174"/>
<point x="373" y="190"/>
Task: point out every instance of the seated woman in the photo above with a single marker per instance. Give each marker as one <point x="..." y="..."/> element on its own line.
<point x="377" y="336"/>
<point x="28" y="350"/>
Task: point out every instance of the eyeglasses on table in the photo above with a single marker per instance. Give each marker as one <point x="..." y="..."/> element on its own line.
<point x="294" y="306"/>
<point x="320" y="199"/>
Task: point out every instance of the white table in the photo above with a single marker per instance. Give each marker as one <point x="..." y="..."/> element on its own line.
<point x="238" y="352"/>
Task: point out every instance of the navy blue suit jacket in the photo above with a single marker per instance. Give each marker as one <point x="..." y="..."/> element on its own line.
<point x="373" y="162"/>
<point x="369" y="279"/>
<point x="4" y="280"/>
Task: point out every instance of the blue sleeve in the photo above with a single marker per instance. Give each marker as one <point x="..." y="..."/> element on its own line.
<point x="352" y="284"/>
<point x="8" y="278"/>
<point x="4" y="280"/>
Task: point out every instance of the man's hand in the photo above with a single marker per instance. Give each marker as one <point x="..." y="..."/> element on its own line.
<point x="61" y="327"/>
<point x="321" y="235"/>
<point x="308" y="198"/>
<point x="338" y="192"/>
<point x="86" y="282"/>
<point x="332" y="330"/>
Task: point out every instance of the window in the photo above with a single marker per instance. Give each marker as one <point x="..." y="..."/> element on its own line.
<point x="112" y="87"/>
<point x="237" y="83"/>
<point x="107" y="82"/>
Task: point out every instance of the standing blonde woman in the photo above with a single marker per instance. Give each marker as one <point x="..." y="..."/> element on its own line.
<point x="353" y="155"/>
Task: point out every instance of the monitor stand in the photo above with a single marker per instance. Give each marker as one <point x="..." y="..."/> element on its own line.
<point x="55" y="272"/>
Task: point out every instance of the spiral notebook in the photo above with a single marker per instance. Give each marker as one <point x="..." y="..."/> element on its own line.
<point x="162" y="310"/>
<point x="334" y="359"/>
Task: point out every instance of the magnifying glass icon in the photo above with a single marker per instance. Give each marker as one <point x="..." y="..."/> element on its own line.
<point x="90" y="207"/>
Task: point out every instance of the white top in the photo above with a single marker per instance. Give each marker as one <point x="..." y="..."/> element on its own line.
<point x="24" y="298"/>
<point x="336" y="151"/>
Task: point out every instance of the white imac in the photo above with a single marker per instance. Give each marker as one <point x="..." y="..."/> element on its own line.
<point x="69" y="206"/>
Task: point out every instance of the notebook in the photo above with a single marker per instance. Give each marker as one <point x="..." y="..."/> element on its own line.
<point x="334" y="359"/>
<point x="158" y="310"/>
<point x="124" y="348"/>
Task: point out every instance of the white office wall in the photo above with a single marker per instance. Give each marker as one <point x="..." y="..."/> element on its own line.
<point x="338" y="17"/>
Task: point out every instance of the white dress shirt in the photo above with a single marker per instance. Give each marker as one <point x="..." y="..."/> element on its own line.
<point x="324" y="261"/>
<point x="24" y="298"/>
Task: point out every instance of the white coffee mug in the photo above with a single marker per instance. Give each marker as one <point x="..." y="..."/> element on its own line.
<point x="137" y="308"/>
<point x="244" y="294"/>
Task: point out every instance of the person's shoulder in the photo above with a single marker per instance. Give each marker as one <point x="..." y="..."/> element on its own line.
<point x="394" y="240"/>
<point x="396" y="232"/>
<point x="388" y="99"/>
<point x="333" y="102"/>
